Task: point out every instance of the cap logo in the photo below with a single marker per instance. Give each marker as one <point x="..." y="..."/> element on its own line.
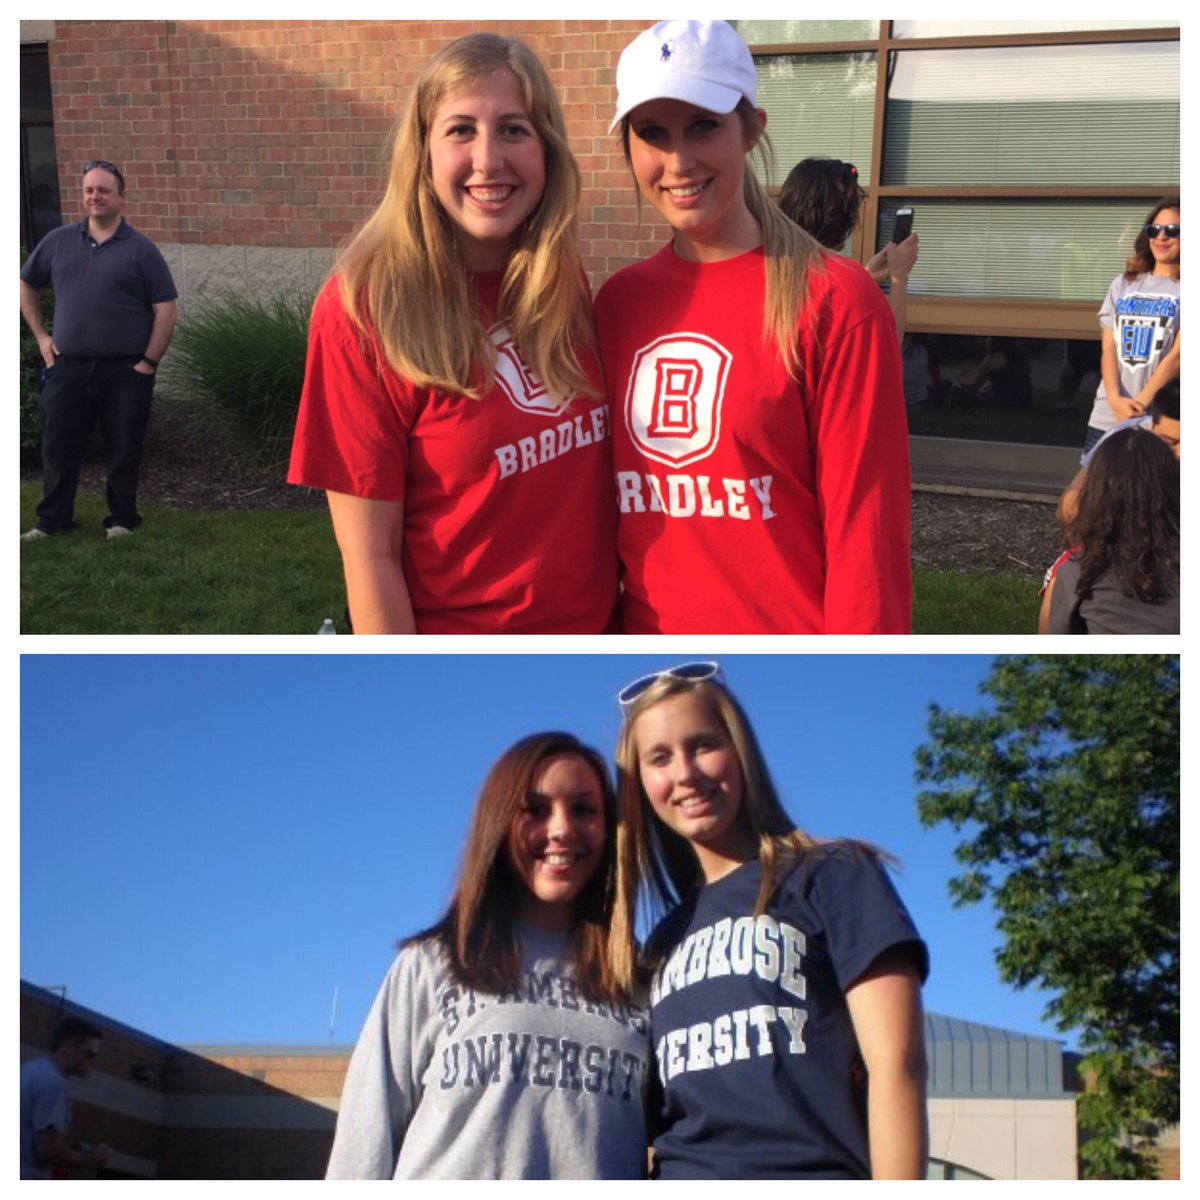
<point x="665" y="54"/>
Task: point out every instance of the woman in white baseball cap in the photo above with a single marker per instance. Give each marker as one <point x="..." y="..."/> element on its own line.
<point x="759" y="430"/>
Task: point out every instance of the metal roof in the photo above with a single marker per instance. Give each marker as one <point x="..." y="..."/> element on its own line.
<point x="968" y="1059"/>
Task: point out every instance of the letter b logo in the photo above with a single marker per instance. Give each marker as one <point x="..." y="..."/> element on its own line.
<point x="673" y="402"/>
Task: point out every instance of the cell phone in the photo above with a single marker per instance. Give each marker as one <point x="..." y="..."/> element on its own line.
<point x="904" y="224"/>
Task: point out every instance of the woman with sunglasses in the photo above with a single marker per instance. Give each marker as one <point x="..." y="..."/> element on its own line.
<point x="823" y="196"/>
<point x="1139" y="340"/>
<point x="786" y="1002"/>
<point x="504" y="1043"/>
<point x="761" y="445"/>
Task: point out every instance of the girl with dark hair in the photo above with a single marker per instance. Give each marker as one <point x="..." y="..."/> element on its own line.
<point x="786" y="967"/>
<point x="1139" y="340"/>
<point x="823" y="196"/>
<point x="504" y="1042"/>
<point x="1122" y="573"/>
<point x="452" y="407"/>
<point x="761" y="448"/>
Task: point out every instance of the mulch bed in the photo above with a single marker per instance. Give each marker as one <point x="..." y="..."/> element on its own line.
<point x="185" y="466"/>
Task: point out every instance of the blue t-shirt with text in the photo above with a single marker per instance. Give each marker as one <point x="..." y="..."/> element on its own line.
<point x="755" y="1051"/>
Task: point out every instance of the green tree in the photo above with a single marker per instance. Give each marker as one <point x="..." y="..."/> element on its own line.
<point x="1066" y="792"/>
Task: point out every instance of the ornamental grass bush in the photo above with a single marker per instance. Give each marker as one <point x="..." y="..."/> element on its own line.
<point x="242" y="365"/>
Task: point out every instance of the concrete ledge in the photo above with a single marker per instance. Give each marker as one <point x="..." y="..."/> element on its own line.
<point x="993" y="466"/>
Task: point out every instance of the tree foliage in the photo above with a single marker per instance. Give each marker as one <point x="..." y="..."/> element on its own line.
<point x="1066" y="793"/>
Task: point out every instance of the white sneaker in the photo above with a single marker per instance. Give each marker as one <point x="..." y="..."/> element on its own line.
<point x="34" y="535"/>
<point x="117" y="531"/>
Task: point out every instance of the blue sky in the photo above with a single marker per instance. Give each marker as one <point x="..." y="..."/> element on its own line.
<point x="211" y="844"/>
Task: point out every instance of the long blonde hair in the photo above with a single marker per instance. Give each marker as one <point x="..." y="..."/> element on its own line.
<point x="665" y="862"/>
<point x="403" y="274"/>
<point x="662" y="862"/>
<point x="790" y="252"/>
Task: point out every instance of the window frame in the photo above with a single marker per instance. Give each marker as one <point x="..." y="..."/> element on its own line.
<point x="977" y="315"/>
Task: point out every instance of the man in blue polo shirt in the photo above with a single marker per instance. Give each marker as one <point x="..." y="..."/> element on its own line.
<point x="114" y="312"/>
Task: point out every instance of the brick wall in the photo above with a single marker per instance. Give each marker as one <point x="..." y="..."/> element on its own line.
<point x="275" y="133"/>
<point x="171" y="1113"/>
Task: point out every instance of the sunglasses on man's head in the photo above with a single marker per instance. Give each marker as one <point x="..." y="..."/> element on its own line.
<point x="1153" y="231"/>
<point x="693" y="671"/>
<point x="103" y="164"/>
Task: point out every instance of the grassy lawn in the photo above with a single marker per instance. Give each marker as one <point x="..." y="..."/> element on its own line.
<point x="182" y="572"/>
<point x="974" y="602"/>
<point x="279" y="572"/>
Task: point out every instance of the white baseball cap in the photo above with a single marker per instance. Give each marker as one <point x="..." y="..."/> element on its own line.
<point x="701" y="62"/>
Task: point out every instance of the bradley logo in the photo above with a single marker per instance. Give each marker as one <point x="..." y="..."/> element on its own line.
<point x="519" y="383"/>
<point x="673" y="402"/>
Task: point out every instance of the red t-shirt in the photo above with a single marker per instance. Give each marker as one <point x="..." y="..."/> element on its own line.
<point x="750" y="503"/>
<point x="509" y="525"/>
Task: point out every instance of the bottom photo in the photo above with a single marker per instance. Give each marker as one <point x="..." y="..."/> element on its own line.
<point x="601" y="917"/>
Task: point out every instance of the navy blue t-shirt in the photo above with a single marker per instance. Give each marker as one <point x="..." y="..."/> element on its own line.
<point x="103" y="293"/>
<point x="755" y="1050"/>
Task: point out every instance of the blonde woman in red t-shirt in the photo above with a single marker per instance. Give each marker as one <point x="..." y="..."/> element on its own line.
<point x="760" y="439"/>
<point x="452" y="409"/>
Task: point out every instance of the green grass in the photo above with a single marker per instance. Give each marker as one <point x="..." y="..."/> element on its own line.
<point x="974" y="602"/>
<point x="280" y="572"/>
<point x="181" y="572"/>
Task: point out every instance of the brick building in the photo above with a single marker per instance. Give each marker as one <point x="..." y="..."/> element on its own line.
<point x="1001" y="1105"/>
<point x="254" y="148"/>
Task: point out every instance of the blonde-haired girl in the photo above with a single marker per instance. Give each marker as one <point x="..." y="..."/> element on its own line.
<point x="452" y="408"/>
<point x="760" y="438"/>
<point x="785" y="1010"/>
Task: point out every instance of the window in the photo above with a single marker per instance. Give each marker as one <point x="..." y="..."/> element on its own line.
<point x="40" y="208"/>
<point x="1043" y="116"/>
<point x="1030" y="150"/>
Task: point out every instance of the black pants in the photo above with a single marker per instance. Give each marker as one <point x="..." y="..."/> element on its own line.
<point x="76" y="392"/>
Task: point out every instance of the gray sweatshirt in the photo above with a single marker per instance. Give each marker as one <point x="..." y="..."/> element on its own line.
<point x="446" y="1083"/>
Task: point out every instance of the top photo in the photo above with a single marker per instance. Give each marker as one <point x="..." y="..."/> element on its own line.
<point x="600" y="327"/>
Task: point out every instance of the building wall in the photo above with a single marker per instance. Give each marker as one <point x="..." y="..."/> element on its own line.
<point x="171" y="1113"/>
<point x="252" y="149"/>
<point x="1005" y="1138"/>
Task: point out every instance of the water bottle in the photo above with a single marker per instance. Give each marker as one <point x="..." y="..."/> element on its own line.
<point x="327" y="626"/>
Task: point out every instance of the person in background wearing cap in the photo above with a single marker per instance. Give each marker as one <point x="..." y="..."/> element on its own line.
<point x="760" y="440"/>
<point x="113" y="319"/>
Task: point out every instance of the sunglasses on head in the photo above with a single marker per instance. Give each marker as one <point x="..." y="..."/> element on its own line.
<point x="1153" y="231"/>
<point x="693" y="672"/>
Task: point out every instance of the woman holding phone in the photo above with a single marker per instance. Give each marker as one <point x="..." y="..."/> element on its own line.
<point x="823" y="196"/>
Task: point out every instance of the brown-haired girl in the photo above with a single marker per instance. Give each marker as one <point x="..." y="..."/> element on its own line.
<point x="823" y="196"/>
<point x="504" y="1043"/>
<point x="452" y="408"/>
<point x="1139" y="320"/>
<point x="760" y="438"/>
<point x="1122" y="573"/>
<point x="786" y="967"/>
